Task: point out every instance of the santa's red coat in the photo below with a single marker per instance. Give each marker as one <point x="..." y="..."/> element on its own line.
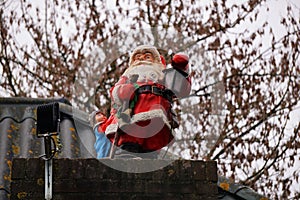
<point x="150" y="124"/>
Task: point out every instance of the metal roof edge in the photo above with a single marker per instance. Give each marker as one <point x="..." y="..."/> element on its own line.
<point x="27" y="100"/>
<point x="64" y="106"/>
<point x="239" y="190"/>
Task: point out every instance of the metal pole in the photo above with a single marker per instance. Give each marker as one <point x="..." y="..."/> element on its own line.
<point x="48" y="179"/>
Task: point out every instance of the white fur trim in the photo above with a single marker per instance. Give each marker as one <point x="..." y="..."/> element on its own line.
<point x="150" y="115"/>
<point x="146" y="72"/>
<point x="112" y="128"/>
<point x="143" y="116"/>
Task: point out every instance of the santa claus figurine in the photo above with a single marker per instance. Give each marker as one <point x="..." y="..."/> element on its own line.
<point x="141" y="118"/>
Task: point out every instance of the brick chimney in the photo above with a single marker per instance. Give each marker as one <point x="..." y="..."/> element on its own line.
<point x="99" y="179"/>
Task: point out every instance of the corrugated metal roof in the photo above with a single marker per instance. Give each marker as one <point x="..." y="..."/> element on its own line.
<point x="18" y="134"/>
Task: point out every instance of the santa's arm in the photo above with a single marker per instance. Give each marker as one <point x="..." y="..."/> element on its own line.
<point x="122" y="91"/>
<point x="180" y="62"/>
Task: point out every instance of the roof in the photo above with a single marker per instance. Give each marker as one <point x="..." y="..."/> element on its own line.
<point x="18" y="139"/>
<point x="229" y="190"/>
<point x="18" y="134"/>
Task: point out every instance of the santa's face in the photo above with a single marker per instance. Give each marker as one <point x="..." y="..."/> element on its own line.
<point x="147" y="65"/>
<point x="145" y="57"/>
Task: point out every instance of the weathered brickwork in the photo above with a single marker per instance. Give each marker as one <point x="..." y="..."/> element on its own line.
<point x="91" y="179"/>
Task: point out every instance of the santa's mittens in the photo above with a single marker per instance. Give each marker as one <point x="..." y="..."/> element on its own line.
<point x="180" y="61"/>
<point x="126" y="92"/>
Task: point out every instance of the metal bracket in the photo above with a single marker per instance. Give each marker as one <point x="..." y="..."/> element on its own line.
<point x="48" y="124"/>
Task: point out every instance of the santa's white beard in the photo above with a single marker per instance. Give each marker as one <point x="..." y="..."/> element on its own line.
<point x="147" y="71"/>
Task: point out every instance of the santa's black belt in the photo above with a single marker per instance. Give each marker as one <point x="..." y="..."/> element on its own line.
<point x="168" y="94"/>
